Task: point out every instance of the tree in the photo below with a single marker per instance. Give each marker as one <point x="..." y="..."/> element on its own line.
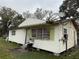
<point x="47" y="15"/>
<point x="26" y="14"/>
<point x="70" y="8"/>
<point x="7" y="15"/>
<point x="40" y="13"/>
<point x="16" y="20"/>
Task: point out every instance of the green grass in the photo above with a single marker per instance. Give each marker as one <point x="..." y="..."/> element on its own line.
<point x="6" y="53"/>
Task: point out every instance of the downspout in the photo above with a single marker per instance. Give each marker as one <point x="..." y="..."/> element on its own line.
<point x="66" y="44"/>
<point x="74" y="40"/>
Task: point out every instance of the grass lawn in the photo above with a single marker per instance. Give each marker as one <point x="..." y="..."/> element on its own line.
<point x="6" y="53"/>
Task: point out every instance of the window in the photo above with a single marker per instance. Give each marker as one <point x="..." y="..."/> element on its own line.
<point x="13" y="32"/>
<point x="45" y="33"/>
<point x="41" y="33"/>
<point x="65" y="33"/>
<point x="33" y="32"/>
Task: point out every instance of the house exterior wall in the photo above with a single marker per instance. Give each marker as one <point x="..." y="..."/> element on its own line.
<point x="52" y="44"/>
<point x="72" y="37"/>
<point x="55" y="44"/>
<point x="19" y="36"/>
<point x="49" y="27"/>
<point x="28" y="35"/>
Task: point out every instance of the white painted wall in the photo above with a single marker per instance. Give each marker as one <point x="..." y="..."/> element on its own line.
<point x="29" y="35"/>
<point x="56" y="45"/>
<point x="71" y="39"/>
<point x="51" y="45"/>
<point x="19" y="37"/>
<point x="47" y="45"/>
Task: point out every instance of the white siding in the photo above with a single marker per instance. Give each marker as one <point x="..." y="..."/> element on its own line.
<point x="72" y="38"/>
<point x="51" y="45"/>
<point x="47" y="45"/>
<point x="19" y="36"/>
<point x="56" y="45"/>
<point x="29" y="35"/>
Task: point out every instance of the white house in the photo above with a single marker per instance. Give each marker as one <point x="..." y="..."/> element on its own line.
<point x="54" y="36"/>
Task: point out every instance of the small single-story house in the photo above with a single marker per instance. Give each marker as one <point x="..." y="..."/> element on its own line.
<point x="52" y="36"/>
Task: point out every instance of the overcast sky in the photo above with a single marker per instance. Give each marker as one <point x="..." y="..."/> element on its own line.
<point x="23" y="5"/>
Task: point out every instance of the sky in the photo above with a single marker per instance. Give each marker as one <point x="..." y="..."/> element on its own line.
<point x="24" y="5"/>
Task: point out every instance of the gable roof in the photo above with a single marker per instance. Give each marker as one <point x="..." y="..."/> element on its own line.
<point x="31" y="22"/>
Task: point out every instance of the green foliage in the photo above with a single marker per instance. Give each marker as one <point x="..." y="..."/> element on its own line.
<point x="40" y="13"/>
<point x="8" y="17"/>
<point x="16" y="21"/>
<point x="69" y="7"/>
